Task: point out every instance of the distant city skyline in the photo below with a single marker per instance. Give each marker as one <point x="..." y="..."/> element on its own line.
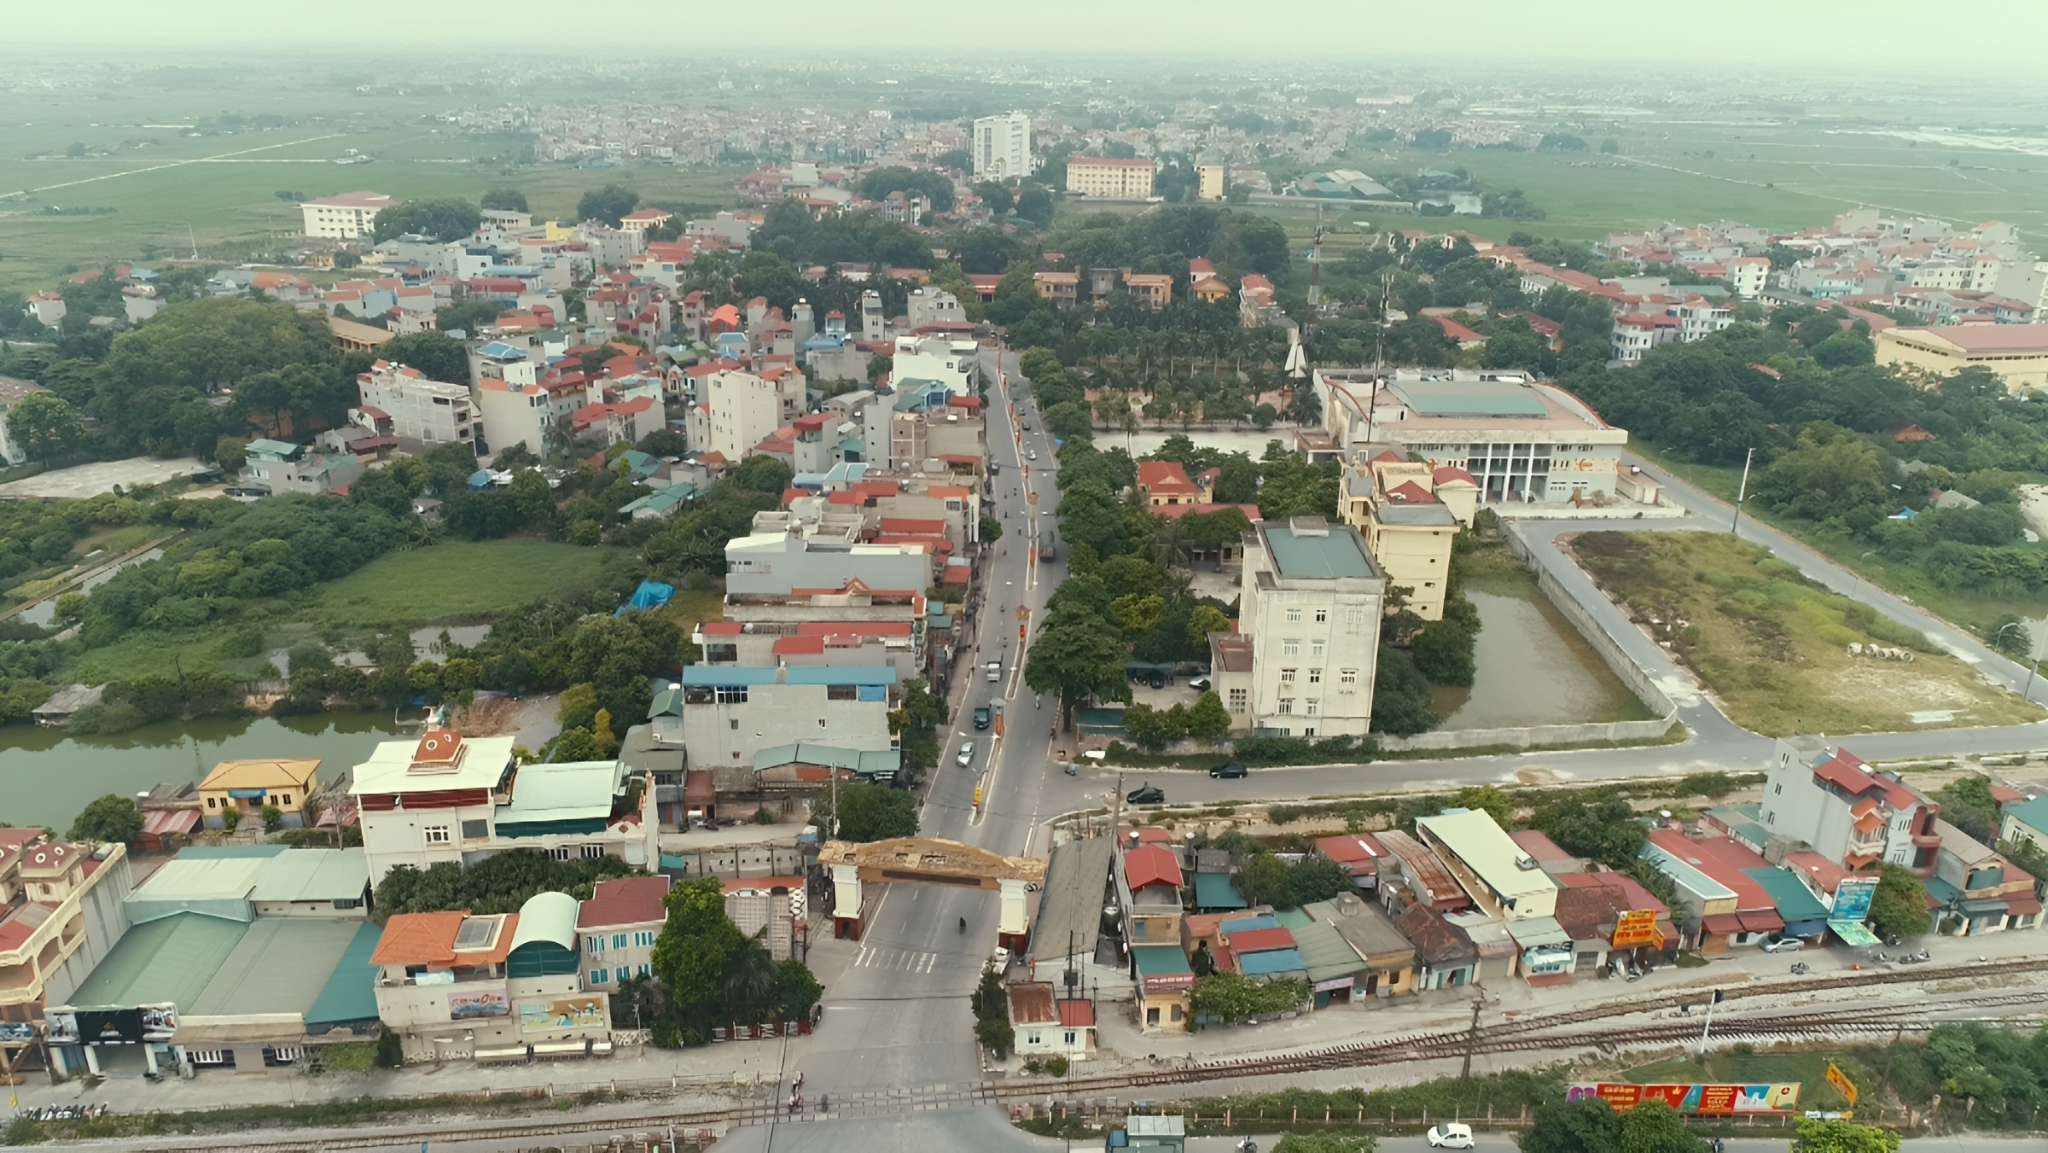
<point x="1741" y="34"/>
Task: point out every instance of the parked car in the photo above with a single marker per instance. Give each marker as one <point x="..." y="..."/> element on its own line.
<point x="966" y="757"/>
<point x="1201" y="684"/>
<point x="1146" y="795"/>
<point x="1450" y="1135"/>
<point x="1230" y="770"/>
<point x="999" y="960"/>
<point x="995" y="670"/>
<point x="1779" y="943"/>
<point x="984" y="717"/>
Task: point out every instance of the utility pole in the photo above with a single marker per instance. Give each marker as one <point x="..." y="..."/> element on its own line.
<point x="1471" y="1043"/>
<point x="1741" y="492"/>
<point x="1710" y="1023"/>
<point x="1889" y="1055"/>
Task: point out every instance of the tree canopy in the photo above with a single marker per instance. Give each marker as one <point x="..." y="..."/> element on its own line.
<point x="113" y="818"/>
<point x="609" y="204"/>
<point x="442" y="220"/>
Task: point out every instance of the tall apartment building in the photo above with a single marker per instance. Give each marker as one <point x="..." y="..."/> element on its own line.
<point x="1847" y="811"/>
<point x="346" y="216"/>
<point x="1309" y="625"/>
<point x="427" y="411"/>
<point x="745" y="408"/>
<point x="1002" y="146"/>
<point x="1109" y="179"/>
<point x="1409" y="515"/>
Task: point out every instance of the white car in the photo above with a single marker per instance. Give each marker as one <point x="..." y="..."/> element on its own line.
<point x="999" y="960"/>
<point x="1450" y="1135"/>
<point x="1031" y="455"/>
<point x="966" y="756"/>
<point x="1777" y="944"/>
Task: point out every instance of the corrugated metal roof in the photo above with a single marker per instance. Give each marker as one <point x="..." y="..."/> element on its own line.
<point x="280" y="965"/>
<point x="1271" y="963"/>
<point x="168" y="960"/>
<point x="351" y="990"/>
<point x="549" y="917"/>
<point x="569" y="791"/>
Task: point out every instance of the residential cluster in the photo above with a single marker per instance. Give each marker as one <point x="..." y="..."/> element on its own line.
<point x="1462" y="901"/>
<point x="250" y="956"/>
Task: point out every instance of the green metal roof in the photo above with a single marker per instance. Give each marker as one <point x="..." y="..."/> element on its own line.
<point x="2034" y="812"/>
<point x="1789" y="894"/>
<point x="1325" y="952"/>
<point x="1160" y="960"/>
<point x="565" y="791"/>
<point x="169" y="960"/>
<point x="1317" y="554"/>
<point x="1469" y="398"/>
<point x="279" y="966"/>
<point x="351" y="990"/>
<point x="1214" y="891"/>
<point x="866" y="762"/>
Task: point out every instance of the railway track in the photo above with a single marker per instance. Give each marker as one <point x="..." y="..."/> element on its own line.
<point x="1558" y="1031"/>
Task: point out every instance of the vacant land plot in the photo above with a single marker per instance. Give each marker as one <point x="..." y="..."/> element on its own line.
<point x="458" y="582"/>
<point x="1772" y="645"/>
<point x="100" y="476"/>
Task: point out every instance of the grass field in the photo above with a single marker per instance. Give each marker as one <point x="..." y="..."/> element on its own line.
<point x="167" y="190"/>
<point x="1771" y="645"/>
<point x="455" y="582"/>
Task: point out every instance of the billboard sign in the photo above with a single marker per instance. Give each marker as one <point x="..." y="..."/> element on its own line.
<point x="109" y="1026"/>
<point x="60" y="1027"/>
<point x="571" y="1013"/>
<point x="1636" y="927"/>
<point x="159" y="1022"/>
<point x="470" y="1004"/>
<point x="1842" y="1084"/>
<point x="1704" y="1100"/>
<point x="1852" y="900"/>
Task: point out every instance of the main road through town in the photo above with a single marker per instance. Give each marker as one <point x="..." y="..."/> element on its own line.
<point x="898" y="1019"/>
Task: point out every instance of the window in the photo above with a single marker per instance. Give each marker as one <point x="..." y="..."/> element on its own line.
<point x="1294" y="616"/>
<point x="841" y="693"/>
<point x="592" y="852"/>
<point x="619" y="941"/>
<point x="1290" y="648"/>
<point x="348" y="903"/>
<point x="732" y="694"/>
<point x="436" y="834"/>
<point x="646" y="970"/>
<point x="644" y="938"/>
<point x="1315" y="676"/>
<point x="600" y="976"/>
<point x="1777" y="788"/>
<point x="1322" y="615"/>
<point x="734" y="723"/>
<point x="1286" y="706"/>
<point x="560" y="854"/>
<point x="475" y="830"/>
<point x="1237" y="700"/>
<point x="1315" y="648"/>
<point x="1070" y="1037"/>
<point x="1311" y="706"/>
<point x="597" y="945"/>
<point x="1347" y="676"/>
<point x="212" y="802"/>
<point x="1286" y="676"/>
<point x="284" y="799"/>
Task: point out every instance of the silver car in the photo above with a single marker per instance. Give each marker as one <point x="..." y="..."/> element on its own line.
<point x="966" y="757"/>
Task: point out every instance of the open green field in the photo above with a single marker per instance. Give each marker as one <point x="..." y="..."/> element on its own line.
<point x="1772" y="645"/>
<point x="451" y="583"/>
<point x="167" y="189"/>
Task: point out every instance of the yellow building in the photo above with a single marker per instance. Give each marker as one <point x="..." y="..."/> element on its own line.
<point x="1058" y="287"/>
<point x="1409" y="515"/>
<point x="1153" y="290"/>
<point x="1212" y="181"/>
<point x="1108" y="179"/>
<point x="248" y="787"/>
<point x="2016" y="353"/>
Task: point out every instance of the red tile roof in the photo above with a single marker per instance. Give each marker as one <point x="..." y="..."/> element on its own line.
<point x="1352" y="849"/>
<point x="1261" y="941"/>
<point x="1077" y="1014"/>
<point x="913" y="526"/>
<point x="429" y="939"/>
<point x="624" y="901"/>
<point x="1149" y="865"/>
<point x="1164" y="477"/>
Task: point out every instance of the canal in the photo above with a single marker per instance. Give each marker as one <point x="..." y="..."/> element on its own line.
<point x="1534" y="669"/>
<point x="47" y="776"/>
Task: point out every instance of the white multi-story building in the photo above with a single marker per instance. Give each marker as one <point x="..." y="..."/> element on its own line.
<point x="447" y="798"/>
<point x="951" y="361"/>
<point x="430" y="412"/>
<point x="1110" y="179"/>
<point x="1002" y="146"/>
<point x="518" y="405"/>
<point x="1307" y="647"/>
<point x="1749" y="275"/>
<point x="744" y="408"/>
<point x="346" y="216"/>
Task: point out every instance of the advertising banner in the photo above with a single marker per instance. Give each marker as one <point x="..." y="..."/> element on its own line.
<point x="159" y="1022"/>
<point x="61" y="1028"/>
<point x="575" y="1013"/>
<point x="1705" y="1100"/>
<point x="1852" y="900"/>
<point x="110" y="1026"/>
<point x="1636" y="927"/>
<point x="469" y="1004"/>
<point x="1842" y="1084"/>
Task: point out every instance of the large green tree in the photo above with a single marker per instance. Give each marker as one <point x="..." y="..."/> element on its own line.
<point x="505" y="200"/>
<point x="442" y="220"/>
<point x="866" y="813"/>
<point x="1899" y="907"/>
<point x="437" y="355"/>
<point x="45" y="427"/>
<point x="153" y="392"/>
<point x="1592" y="1126"/>
<point x="112" y="818"/>
<point x="608" y="204"/>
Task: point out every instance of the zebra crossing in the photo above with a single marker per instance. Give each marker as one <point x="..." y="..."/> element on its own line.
<point x="895" y="960"/>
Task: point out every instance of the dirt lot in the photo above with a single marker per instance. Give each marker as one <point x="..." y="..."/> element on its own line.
<point x="1772" y="646"/>
<point x="101" y="476"/>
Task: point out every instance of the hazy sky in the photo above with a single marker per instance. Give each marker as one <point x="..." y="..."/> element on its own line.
<point x="1738" y="34"/>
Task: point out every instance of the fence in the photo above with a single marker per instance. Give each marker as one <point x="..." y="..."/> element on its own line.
<point x="1105" y="1111"/>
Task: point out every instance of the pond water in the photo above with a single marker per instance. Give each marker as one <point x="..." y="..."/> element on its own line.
<point x="42" y="613"/>
<point x="1534" y="669"/>
<point x="47" y="776"/>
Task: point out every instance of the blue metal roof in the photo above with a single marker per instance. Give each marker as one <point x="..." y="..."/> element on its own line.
<point x="1271" y="962"/>
<point x="1248" y="924"/>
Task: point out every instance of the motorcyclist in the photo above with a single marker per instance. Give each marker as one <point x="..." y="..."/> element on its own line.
<point x="963" y="924"/>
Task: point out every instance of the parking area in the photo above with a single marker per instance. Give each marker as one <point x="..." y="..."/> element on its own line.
<point x="87" y="480"/>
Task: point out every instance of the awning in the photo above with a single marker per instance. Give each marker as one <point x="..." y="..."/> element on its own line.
<point x="1853" y="933"/>
<point x="1984" y="907"/>
<point x="1761" y="922"/>
<point x="1721" y="924"/>
<point x="2023" y="904"/>
<point x="1536" y="931"/>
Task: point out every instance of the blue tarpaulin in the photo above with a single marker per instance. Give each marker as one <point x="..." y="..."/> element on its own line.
<point x="650" y="595"/>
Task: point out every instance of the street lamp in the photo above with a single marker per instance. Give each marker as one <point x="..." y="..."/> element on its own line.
<point x="2035" y="660"/>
